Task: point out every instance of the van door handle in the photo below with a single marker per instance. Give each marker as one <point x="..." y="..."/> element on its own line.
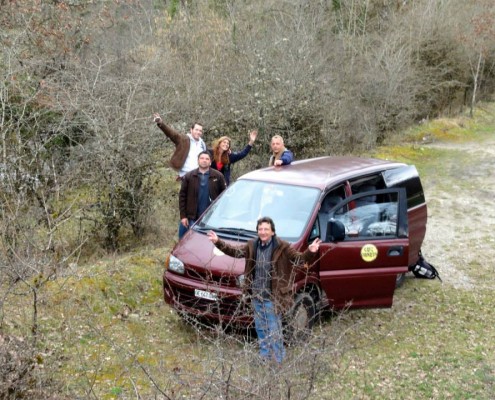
<point x="395" y="251"/>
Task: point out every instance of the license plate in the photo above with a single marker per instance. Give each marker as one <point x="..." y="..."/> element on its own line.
<point x="203" y="294"/>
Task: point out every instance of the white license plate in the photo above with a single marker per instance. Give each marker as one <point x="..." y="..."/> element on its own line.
<point x="203" y="294"/>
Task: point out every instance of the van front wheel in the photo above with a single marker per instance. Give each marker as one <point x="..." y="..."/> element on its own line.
<point x="301" y="318"/>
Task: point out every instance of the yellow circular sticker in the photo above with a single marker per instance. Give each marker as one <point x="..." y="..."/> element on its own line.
<point x="369" y="252"/>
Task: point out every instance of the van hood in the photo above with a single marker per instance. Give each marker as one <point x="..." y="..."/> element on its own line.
<point x="197" y="253"/>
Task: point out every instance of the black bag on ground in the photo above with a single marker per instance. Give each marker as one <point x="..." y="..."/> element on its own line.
<point x="424" y="270"/>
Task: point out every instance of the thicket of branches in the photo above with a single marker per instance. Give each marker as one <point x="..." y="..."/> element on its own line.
<point x="80" y="81"/>
<point x="82" y="167"/>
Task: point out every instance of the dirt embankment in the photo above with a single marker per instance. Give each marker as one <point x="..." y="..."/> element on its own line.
<point x="460" y="190"/>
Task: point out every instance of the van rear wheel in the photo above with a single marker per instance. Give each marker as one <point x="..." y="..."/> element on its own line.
<point x="301" y="318"/>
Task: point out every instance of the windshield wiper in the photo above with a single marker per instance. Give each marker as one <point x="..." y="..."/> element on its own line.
<point x="203" y="228"/>
<point x="236" y="232"/>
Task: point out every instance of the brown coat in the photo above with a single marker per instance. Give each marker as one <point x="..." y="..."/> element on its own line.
<point x="182" y="144"/>
<point x="285" y="262"/>
<point x="189" y="190"/>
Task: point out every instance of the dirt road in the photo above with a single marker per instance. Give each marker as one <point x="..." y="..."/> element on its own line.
<point x="460" y="238"/>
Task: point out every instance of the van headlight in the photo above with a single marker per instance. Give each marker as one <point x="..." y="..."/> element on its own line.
<point x="239" y="280"/>
<point x="175" y="265"/>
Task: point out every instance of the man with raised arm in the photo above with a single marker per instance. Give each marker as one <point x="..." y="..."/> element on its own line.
<point x="187" y="146"/>
<point x="269" y="274"/>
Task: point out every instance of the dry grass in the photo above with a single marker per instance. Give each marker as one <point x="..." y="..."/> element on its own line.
<point x="107" y="334"/>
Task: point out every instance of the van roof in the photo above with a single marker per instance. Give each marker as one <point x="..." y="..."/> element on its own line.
<point x="321" y="172"/>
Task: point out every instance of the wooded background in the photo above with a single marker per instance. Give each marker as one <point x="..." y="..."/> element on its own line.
<point x="81" y="80"/>
<point x="83" y="168"/>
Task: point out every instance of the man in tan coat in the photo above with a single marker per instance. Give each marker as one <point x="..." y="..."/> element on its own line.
<point x="187" y="149"/>
<point x="187" y="146"/>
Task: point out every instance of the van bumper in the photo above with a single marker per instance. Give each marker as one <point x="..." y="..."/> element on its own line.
<point x="181" y="294"/>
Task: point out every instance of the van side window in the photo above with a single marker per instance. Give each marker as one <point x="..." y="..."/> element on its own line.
<point x="374" y="182"/>
<point x="371" y="217"/>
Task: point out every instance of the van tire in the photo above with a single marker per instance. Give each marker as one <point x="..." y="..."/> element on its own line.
<point x="301" y="318"/>
<point x="399" y="280"/>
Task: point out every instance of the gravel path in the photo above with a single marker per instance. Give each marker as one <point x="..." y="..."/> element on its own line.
<point x="460" y="238"/>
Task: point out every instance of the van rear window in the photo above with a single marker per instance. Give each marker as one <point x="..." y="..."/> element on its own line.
<point x="406" y="177"/>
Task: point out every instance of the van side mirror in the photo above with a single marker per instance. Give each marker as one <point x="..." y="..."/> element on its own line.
<point x="335" y="231"/>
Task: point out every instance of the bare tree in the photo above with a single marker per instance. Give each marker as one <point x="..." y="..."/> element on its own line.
<point x="83" y="168"/>
<point x="478" y="42"/>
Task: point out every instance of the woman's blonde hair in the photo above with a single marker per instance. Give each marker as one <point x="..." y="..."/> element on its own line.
<point x="218" y="155"/>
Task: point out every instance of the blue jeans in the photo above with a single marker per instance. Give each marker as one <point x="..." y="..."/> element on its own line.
<point x="183" y="229"/>
<point x="269" y="330"/>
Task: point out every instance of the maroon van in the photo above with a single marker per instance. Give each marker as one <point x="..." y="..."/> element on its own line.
<point x="370" y="214"/>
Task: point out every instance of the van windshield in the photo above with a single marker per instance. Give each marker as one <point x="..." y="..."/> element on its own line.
<point x="235" y="213"/>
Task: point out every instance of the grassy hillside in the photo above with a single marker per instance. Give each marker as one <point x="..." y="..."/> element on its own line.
<point x="107" y="334"/>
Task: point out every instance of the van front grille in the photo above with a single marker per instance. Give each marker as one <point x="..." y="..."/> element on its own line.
<point x="230" y="307"/>
<point x="205" y="276"/>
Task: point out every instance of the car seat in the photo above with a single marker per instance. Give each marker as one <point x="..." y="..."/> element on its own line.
<point x="324" y="214"/>
<point x="371" y="210"/>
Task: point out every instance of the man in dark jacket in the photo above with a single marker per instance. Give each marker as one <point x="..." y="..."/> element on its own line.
<point x="198" y="189"/>
<point x="280" y="154"/>
<point x="270" y="269"/>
